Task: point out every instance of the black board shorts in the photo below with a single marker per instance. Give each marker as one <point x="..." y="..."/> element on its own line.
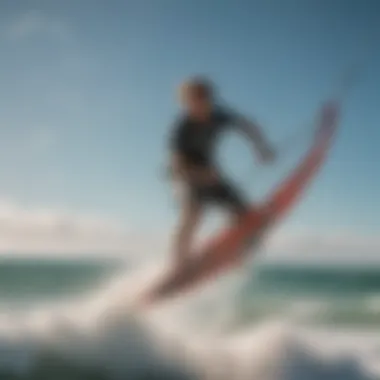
<point x="223" y="194"/>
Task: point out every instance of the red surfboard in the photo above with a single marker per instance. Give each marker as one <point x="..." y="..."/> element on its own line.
<point x="229" y="247"/>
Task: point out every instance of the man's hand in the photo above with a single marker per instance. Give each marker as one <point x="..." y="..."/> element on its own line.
<point x="253" y="132"/>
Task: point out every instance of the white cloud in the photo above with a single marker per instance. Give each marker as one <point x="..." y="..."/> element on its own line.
<point x="39" y="230"/>
<point x="34" y="23"/>
<point x="47" y="231"/>
<point x="326" y="244"/>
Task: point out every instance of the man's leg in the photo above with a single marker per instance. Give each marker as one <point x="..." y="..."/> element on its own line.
<point x="228" y="196"/>
<point x="239" y="207"/>
<point x="190" y="215"/>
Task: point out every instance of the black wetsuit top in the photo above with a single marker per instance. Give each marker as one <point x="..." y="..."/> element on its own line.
<point x="196" y="140"/>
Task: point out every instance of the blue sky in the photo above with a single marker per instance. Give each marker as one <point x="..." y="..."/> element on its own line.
<point x="88" y="94"/>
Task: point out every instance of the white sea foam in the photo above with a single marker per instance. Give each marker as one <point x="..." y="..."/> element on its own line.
<point x="104" y="335"/>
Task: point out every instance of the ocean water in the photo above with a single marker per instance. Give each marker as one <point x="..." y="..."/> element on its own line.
<point x="76" y="320"/>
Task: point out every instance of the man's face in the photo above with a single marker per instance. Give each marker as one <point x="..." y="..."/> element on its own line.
<point x="197" y="104"/>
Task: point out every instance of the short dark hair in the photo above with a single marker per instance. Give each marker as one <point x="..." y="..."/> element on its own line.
<point x="201" y="85"/>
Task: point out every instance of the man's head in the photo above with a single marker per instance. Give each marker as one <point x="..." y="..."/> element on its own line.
<point x="197" y="95"/>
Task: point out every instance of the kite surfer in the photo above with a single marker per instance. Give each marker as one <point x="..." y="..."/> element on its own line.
<point x="192" y="165"/>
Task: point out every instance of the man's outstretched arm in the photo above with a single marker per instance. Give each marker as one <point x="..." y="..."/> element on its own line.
<point x="252" y="130"/>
